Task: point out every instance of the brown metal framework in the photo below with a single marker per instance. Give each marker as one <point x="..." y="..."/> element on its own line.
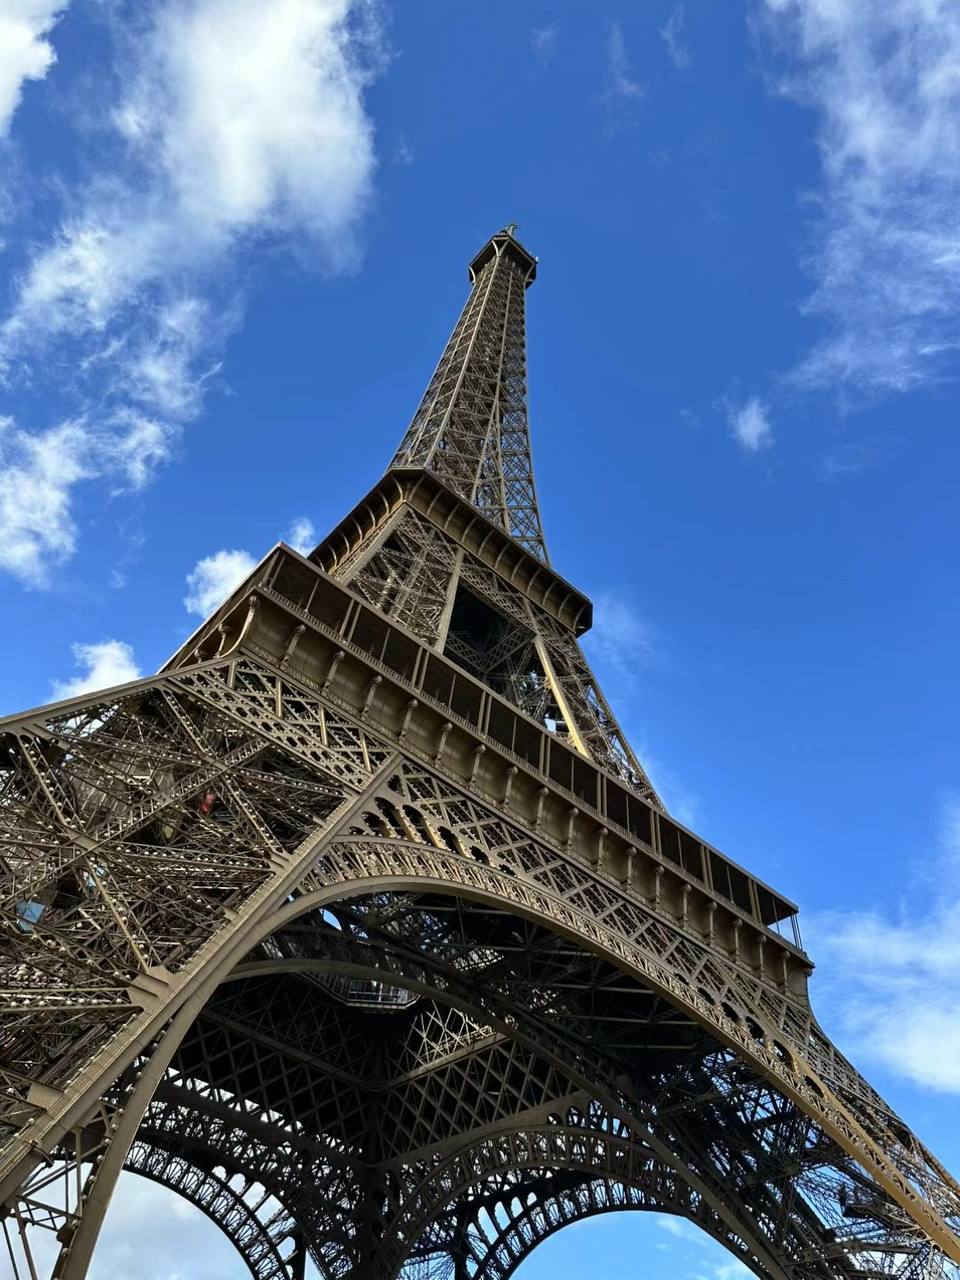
<point x="361" y="926"/>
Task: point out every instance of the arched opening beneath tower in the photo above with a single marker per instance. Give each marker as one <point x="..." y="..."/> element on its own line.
<point x="153" y="1232"/>
<point x="621" y="1242"/>
<point x="515" y="1082"/>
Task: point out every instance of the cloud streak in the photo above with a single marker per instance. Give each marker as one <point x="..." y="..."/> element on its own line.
<point x="620" y="638"/>
<point x="884" y="253"/>
<point x="623" y="89"/>
<point x="672" y="35"/>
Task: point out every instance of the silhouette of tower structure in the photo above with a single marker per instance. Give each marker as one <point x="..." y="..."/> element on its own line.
<point x="361" y="926"/>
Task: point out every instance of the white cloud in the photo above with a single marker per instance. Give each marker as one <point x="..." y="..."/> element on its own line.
<point x="25" y="54"/>
<point x="239" y="126"/>
<point x="543" y="42"/>
<point x="159" y="368"/>
<point x="37" y="472"/>
<point x="672" y="35"/>
<point x="136" y="446"/>
<point x="240" y="119"/>
<point x="105" y="664"/>
<point x="622" y="86"/>
<point x="302" y="536"/>
<point x="893" y="979"/>
<point x="884" y="82"/>
<point x="212" y="579"/>
<point x="750" y="424"/>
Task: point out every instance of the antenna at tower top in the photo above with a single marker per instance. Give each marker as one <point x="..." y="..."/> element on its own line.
<point x="511" y="228"/>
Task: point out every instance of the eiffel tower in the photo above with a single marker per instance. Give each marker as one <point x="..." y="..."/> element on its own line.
<point x="361" y="926"/>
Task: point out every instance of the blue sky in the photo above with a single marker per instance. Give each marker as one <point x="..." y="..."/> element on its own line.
<point x="234" y="239"/>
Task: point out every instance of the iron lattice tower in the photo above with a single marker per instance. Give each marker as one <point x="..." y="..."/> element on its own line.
<point x="361" y="926"/>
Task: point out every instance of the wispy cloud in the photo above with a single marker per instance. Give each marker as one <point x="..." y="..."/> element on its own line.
<point x="672" y="35"/>
<point x="25" y="53"/>
<point x="543" y="42"/>
<point x="849" y="460"/>
<point x="700" y="1252"/>
<point x="884" y="253"/>
<point x="892" y="979"/>
<point x="620" y="646"/>
<point x="239" y="127"/>
<point x="620" y="638"/>
<point x="103" y="664"/>
<point x="750" y="424"/>
<point x="403" y="152"/>
<point x="679" y="1228"/>
<point x="622" y="89"/>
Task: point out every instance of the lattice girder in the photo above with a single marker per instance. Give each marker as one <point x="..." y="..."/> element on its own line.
<point x="142" y="832"/>
<point x="411" y="569"/>
<point x="471" y="426"/>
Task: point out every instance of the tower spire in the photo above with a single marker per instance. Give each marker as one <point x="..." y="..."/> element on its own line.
<point x="471" y="428"/>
